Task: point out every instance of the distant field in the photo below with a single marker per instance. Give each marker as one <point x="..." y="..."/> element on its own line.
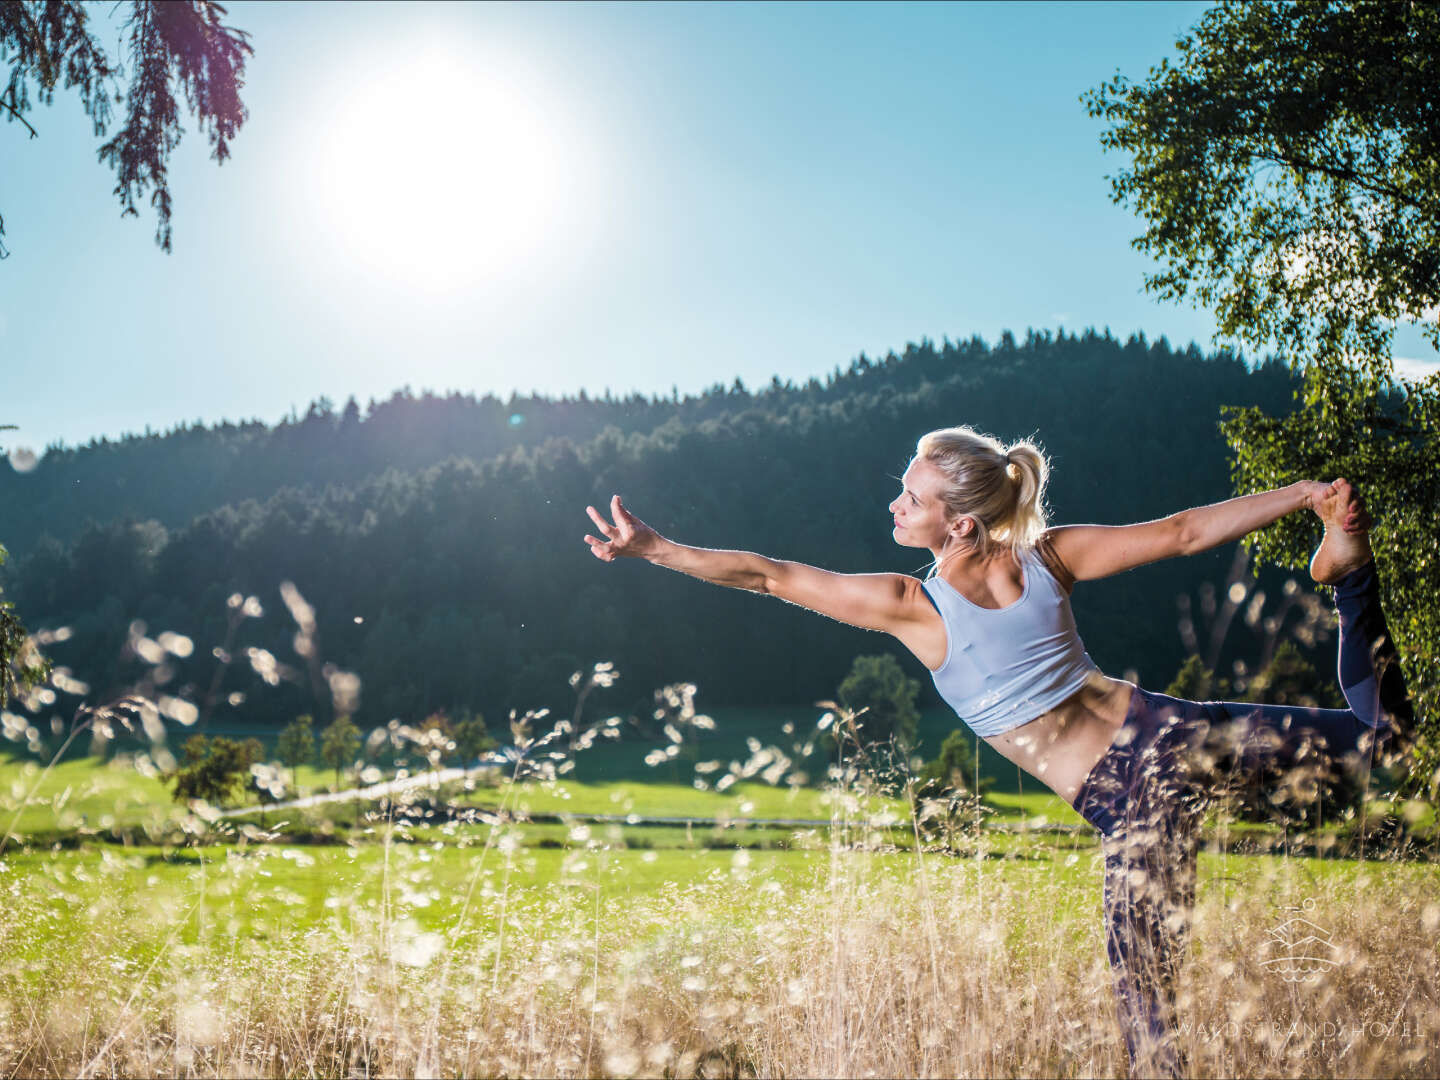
<point x="84" y="793"/>
<point x="608" y="778"/>
<point x="276" y="890"/>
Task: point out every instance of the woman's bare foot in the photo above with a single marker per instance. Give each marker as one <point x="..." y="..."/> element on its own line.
<point x="1344" y="548"/>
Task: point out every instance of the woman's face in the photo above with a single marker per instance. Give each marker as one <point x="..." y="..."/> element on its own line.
<point x="918" y="511"/>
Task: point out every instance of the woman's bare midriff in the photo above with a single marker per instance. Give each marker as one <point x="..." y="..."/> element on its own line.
<point x="1060" y="747"/>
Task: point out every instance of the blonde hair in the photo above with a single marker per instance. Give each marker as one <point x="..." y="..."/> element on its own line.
<point x="1001" y="488"/>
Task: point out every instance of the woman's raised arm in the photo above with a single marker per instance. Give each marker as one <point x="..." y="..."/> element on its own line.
<point x="1097" y="551"/>
<point x="886" y="602"/>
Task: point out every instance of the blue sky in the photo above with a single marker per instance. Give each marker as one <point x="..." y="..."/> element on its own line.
<point x="556" y="197"/>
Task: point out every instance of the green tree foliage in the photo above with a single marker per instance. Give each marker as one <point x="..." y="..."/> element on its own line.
<point x="21" y="665"/>
<point x="172" y="49"/>
<point x="214" y="768"/>
<point x="1286" y="170"/>
<point x="296" y="745"/>
<point x="879" y="686"/>
<point x="953" y="769"/>
<point x="1193" y="682"/>
<point x="339" y="745"/>
<point x="1285" y="167"/>
<point x="1290" y="679"/>
<point x="472" y="737"/>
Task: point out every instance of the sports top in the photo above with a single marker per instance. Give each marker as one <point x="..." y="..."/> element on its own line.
<point x="1006" y="666"/>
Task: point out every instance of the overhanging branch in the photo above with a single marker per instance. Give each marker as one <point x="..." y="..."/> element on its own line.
<point x="19" y="116"/>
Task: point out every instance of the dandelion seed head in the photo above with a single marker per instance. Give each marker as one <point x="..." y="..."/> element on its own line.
<point x="176" y="644"/>
<point x="62" y="679"/>
<point x="1430" y="918"/>
<point x="344" y="690"/>
<point x="179" y="710"/>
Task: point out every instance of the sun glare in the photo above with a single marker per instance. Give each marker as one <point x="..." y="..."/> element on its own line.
<point x="442" y="174"/>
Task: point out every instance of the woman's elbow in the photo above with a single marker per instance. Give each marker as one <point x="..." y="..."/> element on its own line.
<point x="1186" y="536"/>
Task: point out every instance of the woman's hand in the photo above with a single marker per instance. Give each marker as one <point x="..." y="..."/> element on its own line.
<point x="628" y="537"/>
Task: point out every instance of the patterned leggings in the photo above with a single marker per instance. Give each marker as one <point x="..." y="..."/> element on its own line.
<point x="1147" y="794"/>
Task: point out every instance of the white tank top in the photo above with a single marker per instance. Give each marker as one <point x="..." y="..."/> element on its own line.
<point x="1004" y="667"/>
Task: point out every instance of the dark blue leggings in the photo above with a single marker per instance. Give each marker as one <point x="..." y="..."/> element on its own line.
<point x="1165" y="765"/>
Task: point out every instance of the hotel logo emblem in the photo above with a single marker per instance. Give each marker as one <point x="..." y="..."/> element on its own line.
<point x="1299" y="950"/>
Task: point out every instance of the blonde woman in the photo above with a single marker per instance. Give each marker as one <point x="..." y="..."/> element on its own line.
<point x="992" y="623"/>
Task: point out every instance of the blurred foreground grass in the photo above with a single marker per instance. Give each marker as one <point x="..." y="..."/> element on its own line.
<point x="474" y="952"/>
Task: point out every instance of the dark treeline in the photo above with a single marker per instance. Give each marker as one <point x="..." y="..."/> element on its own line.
<point x="175" y="476"/>
<point x="463" y="584"/>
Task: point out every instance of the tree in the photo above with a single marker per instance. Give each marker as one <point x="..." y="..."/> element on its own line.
<point x="339" y="743"/>
<point x="1193" y="681"/>
<point x="296" y="745"/>
<point x="878" y="685"/>
<point x="21" y="665"/>
<point x="1290" y="679"/>
<point x="173" y="48"/>
<point x="472" y="737"/>
<point x="1286" y="170"/>
<point x="954" y="768"/>
<point x="213" y="768"/>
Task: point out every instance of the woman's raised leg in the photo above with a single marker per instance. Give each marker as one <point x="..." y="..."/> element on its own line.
<point x="1379" y="725"/>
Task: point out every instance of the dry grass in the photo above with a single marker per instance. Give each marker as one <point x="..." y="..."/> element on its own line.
<point x="876" y="965"/>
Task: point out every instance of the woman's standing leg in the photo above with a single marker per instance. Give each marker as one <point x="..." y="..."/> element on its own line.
<point x="1141" y="800"/>
<point x="1149" y="901"/>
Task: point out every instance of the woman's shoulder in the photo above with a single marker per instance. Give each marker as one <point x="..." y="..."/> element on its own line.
<point x="1048" y="557"/>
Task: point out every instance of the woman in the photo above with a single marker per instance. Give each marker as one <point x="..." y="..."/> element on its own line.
<point x="993" y="625"/>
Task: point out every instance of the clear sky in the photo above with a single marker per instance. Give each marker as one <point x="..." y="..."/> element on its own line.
<point x="556" y="197"/>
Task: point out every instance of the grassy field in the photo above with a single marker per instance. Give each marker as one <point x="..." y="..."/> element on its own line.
<point x="471" y="954"/>
<point x="86" y="793"/>
<point x="721" y="945"/>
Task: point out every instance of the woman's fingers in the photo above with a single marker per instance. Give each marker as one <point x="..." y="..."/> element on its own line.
<point x="620" y="513"/>
<point x="600" y="522"/>
<point x="622" y="538"/>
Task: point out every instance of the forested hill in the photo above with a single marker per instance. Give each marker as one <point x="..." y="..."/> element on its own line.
<point x="175" y="476"/>
<point x="464" y="585"/>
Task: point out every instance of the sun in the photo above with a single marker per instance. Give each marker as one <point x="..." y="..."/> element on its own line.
<point x="440" y="174"/>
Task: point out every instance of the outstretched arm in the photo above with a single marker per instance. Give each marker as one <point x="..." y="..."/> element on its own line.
<point x="1097" y="551"/>
<point x="872" y="601"/>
